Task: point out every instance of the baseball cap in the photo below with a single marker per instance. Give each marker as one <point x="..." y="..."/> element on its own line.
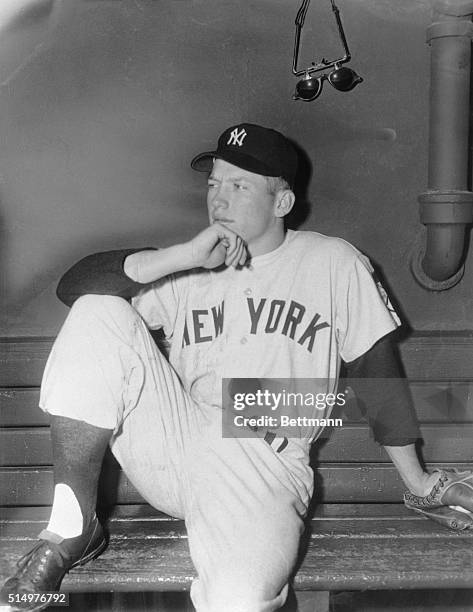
<point x="254" y="148"/>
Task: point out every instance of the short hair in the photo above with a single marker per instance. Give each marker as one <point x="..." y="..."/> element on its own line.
<point x="276" y="183"/>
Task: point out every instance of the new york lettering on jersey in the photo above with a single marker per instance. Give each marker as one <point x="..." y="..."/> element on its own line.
<point x="263" y="316"/>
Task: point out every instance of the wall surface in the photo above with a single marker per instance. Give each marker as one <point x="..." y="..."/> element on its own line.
<point x="104" y="102"/>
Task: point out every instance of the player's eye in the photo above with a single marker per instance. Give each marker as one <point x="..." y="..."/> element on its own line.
<point x="240" y="186"/>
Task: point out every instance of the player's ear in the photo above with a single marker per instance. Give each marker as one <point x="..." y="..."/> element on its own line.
<point x="283" y="202"/>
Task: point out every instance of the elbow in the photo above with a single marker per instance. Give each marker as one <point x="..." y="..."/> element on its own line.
<point x="64" y="294"/>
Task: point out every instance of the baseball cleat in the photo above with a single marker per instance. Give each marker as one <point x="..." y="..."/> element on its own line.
<point x="454" y="488"/>
<point x="42" y="569"/>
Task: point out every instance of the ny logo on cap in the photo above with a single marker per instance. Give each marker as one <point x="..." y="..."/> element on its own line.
<point x="237" y="137"/>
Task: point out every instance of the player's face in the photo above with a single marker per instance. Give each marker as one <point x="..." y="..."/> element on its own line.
<point x="241" y="201"/>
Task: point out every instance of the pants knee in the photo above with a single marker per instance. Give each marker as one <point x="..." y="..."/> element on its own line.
<point x="97" y="323"/>
<point x="94" y="372"/>
<point x="93" y="304"/>
<point x="95" y="310"/>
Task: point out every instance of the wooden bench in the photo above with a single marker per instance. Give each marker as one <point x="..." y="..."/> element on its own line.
<point x="360" y="536"/>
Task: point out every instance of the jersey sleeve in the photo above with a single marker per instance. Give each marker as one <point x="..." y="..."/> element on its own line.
<point x="99" y="274"/>
<point x="158" y="304"/>
<point x="383" y="395"/>
<point x="365" y="313"/>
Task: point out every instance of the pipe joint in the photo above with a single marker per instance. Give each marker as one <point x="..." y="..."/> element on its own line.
<point x="446" y="207"/>
<point x="443" y="29"/>
<point x="425" y="280"/>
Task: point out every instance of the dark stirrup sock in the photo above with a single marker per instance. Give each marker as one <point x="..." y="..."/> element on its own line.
<point x="78" y="450"/>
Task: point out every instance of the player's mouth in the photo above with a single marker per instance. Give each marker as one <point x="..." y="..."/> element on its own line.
<point x="221" y="220"/>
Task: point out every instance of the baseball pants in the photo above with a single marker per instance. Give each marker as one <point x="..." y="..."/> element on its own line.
<point x="243" y="503"/>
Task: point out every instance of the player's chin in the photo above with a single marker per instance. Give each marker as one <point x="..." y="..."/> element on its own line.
<point x="226" y="222"/>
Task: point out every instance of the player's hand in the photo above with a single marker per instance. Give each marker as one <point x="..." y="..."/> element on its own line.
<point x="217" y="245"/>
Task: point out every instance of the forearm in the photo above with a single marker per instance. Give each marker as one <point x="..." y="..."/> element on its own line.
<point x="124" y="273"/>
<point x="148" y="266"/>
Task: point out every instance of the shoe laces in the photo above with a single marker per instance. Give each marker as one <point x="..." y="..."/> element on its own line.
<point x="34" y="571"/>
<point x="428" y="499"/>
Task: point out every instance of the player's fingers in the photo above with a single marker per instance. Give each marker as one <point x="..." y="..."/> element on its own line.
<point x="233" y="255"/>
<point x="244" y="255"/>
<point x="233" y="240"/>
<point x="233" y="248"/>
<point x="237" y="246"/>
<point x="231" y="258"/>
<point x="224" y="232"/>
<point x="239" y="255"/>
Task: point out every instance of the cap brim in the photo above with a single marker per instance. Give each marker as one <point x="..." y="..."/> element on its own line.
<point x="204" y="161"/>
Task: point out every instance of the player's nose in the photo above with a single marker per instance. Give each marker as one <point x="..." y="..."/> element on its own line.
<point x="219" y="200"/>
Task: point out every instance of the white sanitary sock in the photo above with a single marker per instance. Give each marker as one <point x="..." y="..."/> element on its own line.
<point x="66" y="516"/>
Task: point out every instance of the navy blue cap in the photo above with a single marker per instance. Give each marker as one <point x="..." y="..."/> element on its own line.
<point x="254" y="148"/>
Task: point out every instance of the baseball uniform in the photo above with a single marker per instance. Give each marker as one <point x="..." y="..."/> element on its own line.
<point x="295" y="312"/>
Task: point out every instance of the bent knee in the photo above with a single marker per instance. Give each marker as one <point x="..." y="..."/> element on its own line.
<point x="94" y="301"/>
<point x="92" y="311"/>
<point x="101" y="306"/>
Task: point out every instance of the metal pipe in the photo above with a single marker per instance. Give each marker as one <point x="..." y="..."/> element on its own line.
<point x="446" y="208"/>
<point x="445" y="246"/>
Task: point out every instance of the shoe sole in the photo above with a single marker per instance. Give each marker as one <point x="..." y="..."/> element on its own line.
<point x="429" y="513"/>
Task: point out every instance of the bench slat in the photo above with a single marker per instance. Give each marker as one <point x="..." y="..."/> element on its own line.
<point x="144" y="521"/>
<point x="425" y="355"/>
<point x="443" y="443"/>
<point x="321" y="528"/>
<point x="145" y="512"/>
<point x="438" y="355"/>
<point x="140" y="529"/>
<point x="434" y="402"/>
<point x="335" y="483"/>
<point x="22" y="361"/>
<point x="19" y="408"/>
<point x="424" y="556"/>
<point x="381" y="563"/>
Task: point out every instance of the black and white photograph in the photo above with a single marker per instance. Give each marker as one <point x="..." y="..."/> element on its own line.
<point x="236" y="305"/>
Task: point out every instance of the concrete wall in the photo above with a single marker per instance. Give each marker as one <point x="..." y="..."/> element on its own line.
<point x="104" y="102"/>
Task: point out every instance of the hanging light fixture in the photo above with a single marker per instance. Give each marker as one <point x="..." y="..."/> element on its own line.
<point x="342" y="78"/>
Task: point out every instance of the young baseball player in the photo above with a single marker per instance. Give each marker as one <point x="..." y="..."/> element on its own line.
<point x="244" y="299"/>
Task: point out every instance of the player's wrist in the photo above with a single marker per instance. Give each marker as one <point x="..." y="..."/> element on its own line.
<point x="187" y="258"/>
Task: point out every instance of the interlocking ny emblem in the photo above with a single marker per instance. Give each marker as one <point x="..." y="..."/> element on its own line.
<point x="237" y="137"/>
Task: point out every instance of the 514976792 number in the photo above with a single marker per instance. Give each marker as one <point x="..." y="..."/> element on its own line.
<point x="52" y="599"/>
